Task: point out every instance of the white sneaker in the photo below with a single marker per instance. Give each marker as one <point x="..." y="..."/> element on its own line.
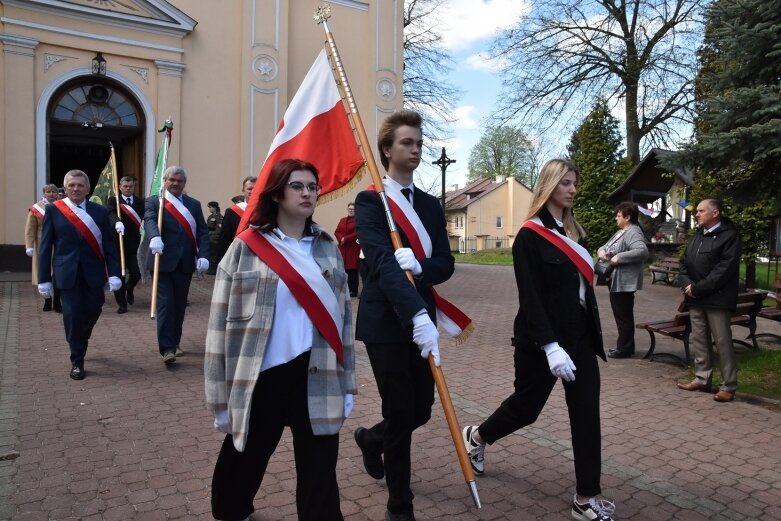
<point x="595" y="509"/>
<point x="475" y="450"/>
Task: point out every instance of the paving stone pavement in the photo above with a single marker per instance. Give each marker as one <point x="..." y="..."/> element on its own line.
<point x="134" y="439"/>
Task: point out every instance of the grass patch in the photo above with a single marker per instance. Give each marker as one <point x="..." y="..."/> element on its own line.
<point x="759" y="372"/>
<point x="496" y="256"/>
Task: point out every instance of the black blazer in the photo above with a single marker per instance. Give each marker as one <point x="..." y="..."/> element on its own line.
<point x="388" y="300"/>
<point x="132" y="236"/>
<point x="230" y="223"/>
<point x="176" y="243"/>
<point x="549" y="307"/>
<point x="65" y="249"/>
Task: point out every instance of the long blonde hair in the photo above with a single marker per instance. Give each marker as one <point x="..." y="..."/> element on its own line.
<point x="551" y="174"/>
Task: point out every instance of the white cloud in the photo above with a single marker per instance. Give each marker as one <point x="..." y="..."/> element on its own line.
<point x="465" y="117"/>
<point x="465" y="22"/>
<point x="483" y="62"/>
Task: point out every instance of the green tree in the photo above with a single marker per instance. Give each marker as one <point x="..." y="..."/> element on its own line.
<point x="738" y="141"/>
<point x="503" y="150"/>
<point x="739" y="107"/>
<point x="595" y="148"/>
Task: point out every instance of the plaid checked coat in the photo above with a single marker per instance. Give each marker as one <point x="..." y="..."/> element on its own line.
<point x="240" y="321"/>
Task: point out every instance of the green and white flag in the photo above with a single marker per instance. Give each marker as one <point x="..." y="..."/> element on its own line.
<point x="104" y="188"/>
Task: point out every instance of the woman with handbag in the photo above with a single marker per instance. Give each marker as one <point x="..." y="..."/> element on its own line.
<point x="626" y="251"/>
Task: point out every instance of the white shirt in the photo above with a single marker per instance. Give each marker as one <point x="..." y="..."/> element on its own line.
<point x="291" y="328"/>
<point x="398" y="185"/>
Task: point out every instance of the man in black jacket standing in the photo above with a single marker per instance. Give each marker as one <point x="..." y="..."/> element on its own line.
<point x="709" y="281"/>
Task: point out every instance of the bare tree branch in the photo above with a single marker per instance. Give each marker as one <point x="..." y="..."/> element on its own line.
<point x="568" y="53"/>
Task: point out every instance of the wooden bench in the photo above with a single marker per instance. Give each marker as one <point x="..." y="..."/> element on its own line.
<point x="665" y="270"/>
<point x="773" y="312"/>
<point x="679" y="327"/>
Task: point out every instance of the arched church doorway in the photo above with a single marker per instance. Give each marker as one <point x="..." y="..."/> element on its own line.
<point x="84" y="116"/>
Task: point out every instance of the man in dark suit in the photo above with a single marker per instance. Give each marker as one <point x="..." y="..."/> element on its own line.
<point x="233" y="215"/>
<point x="129" y="226"/>
<point x="395" y="318"/>
<point x="183" y="246"/>
<point x="78" y="241"/>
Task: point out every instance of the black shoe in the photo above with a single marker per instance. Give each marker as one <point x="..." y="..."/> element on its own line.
<point x="404" y="516"/>
<point x="122" y="309"/>
<point x="131" y="299"/>
<point x="57" y="307"/>
<point x="615" y="353"/>
<point x="372" y="459"/>
<point x="78" y="373"/>
<point x="47" y="304"/>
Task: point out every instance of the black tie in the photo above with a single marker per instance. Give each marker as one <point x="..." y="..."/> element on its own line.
<point x="406" y="192"/>
<point x="127" y="200"/>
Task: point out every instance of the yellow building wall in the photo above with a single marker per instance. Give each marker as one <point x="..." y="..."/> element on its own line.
<point x="225" y="110"/>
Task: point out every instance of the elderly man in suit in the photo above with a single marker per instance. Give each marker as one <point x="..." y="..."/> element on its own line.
<point x="183" y="246"/>
<point x="129" y="226"/>
<point x="78" y="241"/>
<point x="396" y="319"/>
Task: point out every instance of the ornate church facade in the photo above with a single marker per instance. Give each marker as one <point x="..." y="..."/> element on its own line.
<point x="77" y="75"/>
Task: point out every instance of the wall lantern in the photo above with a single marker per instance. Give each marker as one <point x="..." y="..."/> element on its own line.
<point x="99" y="65"/>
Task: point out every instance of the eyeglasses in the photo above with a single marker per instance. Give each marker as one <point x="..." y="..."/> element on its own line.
<point x="298" y="187"/>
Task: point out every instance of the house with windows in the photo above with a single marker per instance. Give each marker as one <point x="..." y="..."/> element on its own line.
<point x="486" y="213"/>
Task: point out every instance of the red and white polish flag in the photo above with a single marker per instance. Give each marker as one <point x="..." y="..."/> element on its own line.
<point x="315" y="128"/>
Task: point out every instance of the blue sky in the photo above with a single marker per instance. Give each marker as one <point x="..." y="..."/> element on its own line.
<point x="467" y="28"/>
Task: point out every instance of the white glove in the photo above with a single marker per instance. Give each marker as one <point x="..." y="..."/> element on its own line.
<point x="202" y="264"/>
<point x="407" y="260"/>
<point x="156" y="245"/>
<point x="425" y="334"/>
<point x="222" y="421"/>
<point x="559" y="361"/>
<point x="45" y="289"/>
<point x="120" y="227"/>
<point x="30" y="251"/>
<point x="349" y="401"/>
<point x="114" y="283"/>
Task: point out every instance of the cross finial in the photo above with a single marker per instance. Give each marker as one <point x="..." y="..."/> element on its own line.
<point x="322" y="13"/>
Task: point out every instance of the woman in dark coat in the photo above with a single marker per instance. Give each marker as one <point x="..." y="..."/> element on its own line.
<point x="557" y="334"/>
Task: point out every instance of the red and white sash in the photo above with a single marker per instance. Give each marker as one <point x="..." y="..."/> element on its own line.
<point x="579" y="256"/>
<point x="131" y="213"/>
<point x="38" y="211"/>
<point x="239" y="208"/>
<point x="179" y="211"/>
<point x="304" y="280"/>
<point x="453" y="320"/>
<point x="85" y="225"/>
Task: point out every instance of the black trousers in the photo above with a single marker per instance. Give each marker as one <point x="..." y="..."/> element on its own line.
<point x="533" y="384"/>
<point x="623" y="305"/>
<point x="81" y="308"/>
<point x="172" y="290"/>
<point x="278" y="400"/>
<point x="352" y="281"/>
<point x="130" y="281"/>
<point x="407" y="390"/>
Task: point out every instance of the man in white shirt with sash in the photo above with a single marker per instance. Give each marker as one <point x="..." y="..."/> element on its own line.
<point x="233" y="215"/>
<point x="79" y="242"/>
<point x="183" y="246"/>
<point x="396" y="319"/>
<point x="129" y="226"/>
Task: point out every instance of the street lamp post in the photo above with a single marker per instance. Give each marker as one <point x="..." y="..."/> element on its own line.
<point x="443" y="163"/>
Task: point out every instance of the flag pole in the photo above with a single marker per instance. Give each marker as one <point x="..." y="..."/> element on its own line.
<point x="119" y="211"/>
<point x="161" y="201"/>
<point x="322" y="14"/>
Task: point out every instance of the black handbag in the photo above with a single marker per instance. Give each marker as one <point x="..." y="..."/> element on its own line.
<point x="603" y="269"/>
